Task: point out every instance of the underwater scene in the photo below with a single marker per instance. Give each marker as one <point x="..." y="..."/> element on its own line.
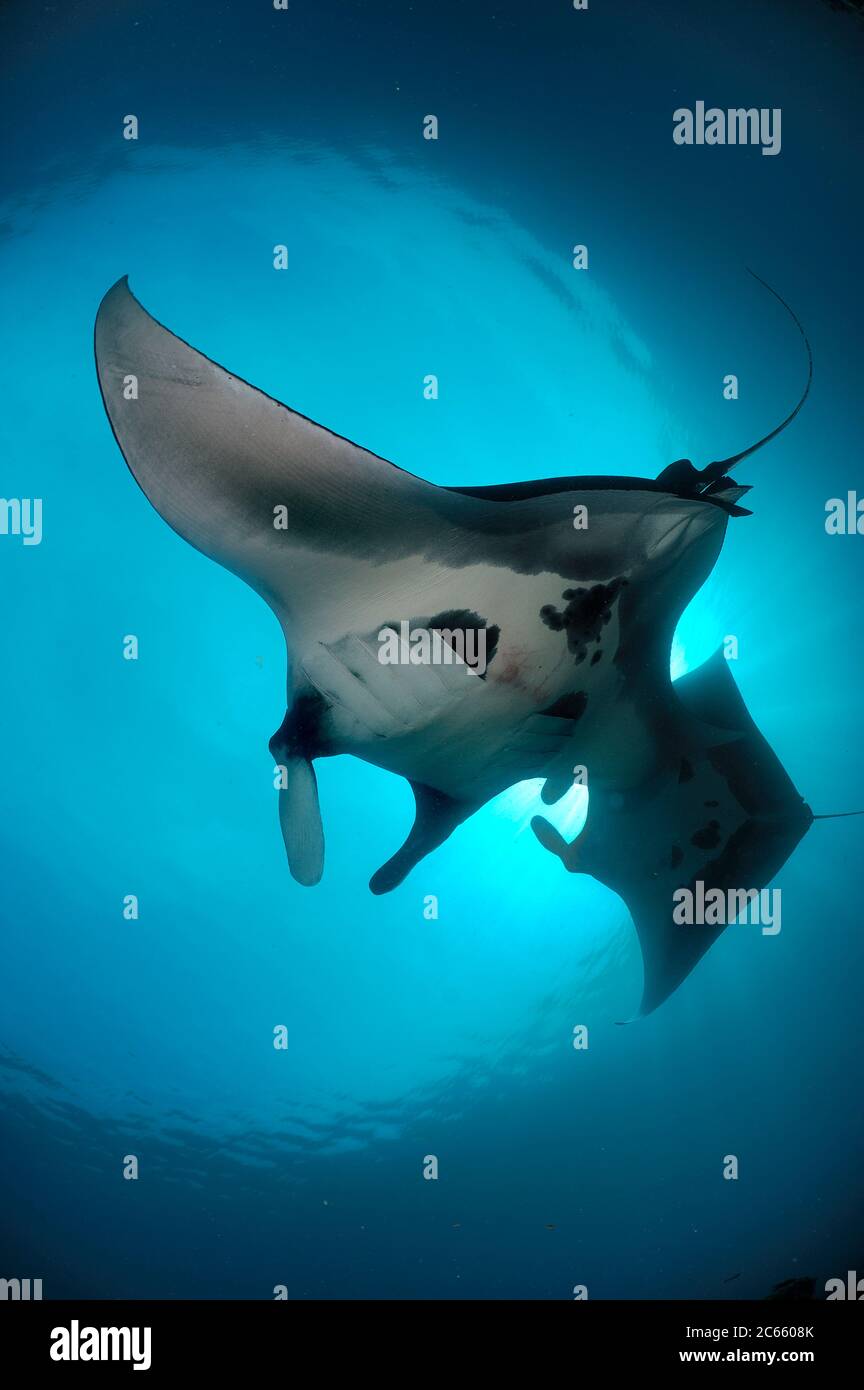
<point x="522" y="275"/>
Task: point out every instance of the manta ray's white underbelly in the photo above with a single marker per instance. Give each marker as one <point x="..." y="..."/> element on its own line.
<point x="540" y="696"/>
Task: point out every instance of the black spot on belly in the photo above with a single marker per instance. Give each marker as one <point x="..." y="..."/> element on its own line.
<point x="675" y="856"/>
<point x="462" y="620"/>
<point x="595" y="658"/>
<point x="685" y="771"/>
<point x="708" y="837"/>
<point x="712" y="803"/>
<point x="569" y="706"/>
<point x="586" y="613"/>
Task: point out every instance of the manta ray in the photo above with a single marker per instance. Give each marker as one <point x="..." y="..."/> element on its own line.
<point x="576" y="624"/>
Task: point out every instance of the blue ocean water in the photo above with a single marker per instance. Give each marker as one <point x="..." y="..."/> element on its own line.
<point x="410" y="1037"/>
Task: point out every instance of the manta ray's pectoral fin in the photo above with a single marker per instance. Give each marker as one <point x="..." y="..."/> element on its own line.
<point x="435" y="817"/>
<point x="690" y="849"/>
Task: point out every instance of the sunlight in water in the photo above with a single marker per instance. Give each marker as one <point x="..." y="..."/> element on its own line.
<point x="699" y="632"/>
<point x="522" y="802"/>
<point x="678" y="663"/>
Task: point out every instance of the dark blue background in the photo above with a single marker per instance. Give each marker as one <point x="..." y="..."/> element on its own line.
<point x="408" y="1037"/>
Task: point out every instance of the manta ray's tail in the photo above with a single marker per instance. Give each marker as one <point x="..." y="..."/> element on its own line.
<point x="717" y="469"/>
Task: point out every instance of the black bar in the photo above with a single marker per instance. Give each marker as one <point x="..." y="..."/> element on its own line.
<point x="229" y="1338"/>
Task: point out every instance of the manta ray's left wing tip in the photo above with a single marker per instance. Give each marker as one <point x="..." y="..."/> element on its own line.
<point x="120" y="288"/>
